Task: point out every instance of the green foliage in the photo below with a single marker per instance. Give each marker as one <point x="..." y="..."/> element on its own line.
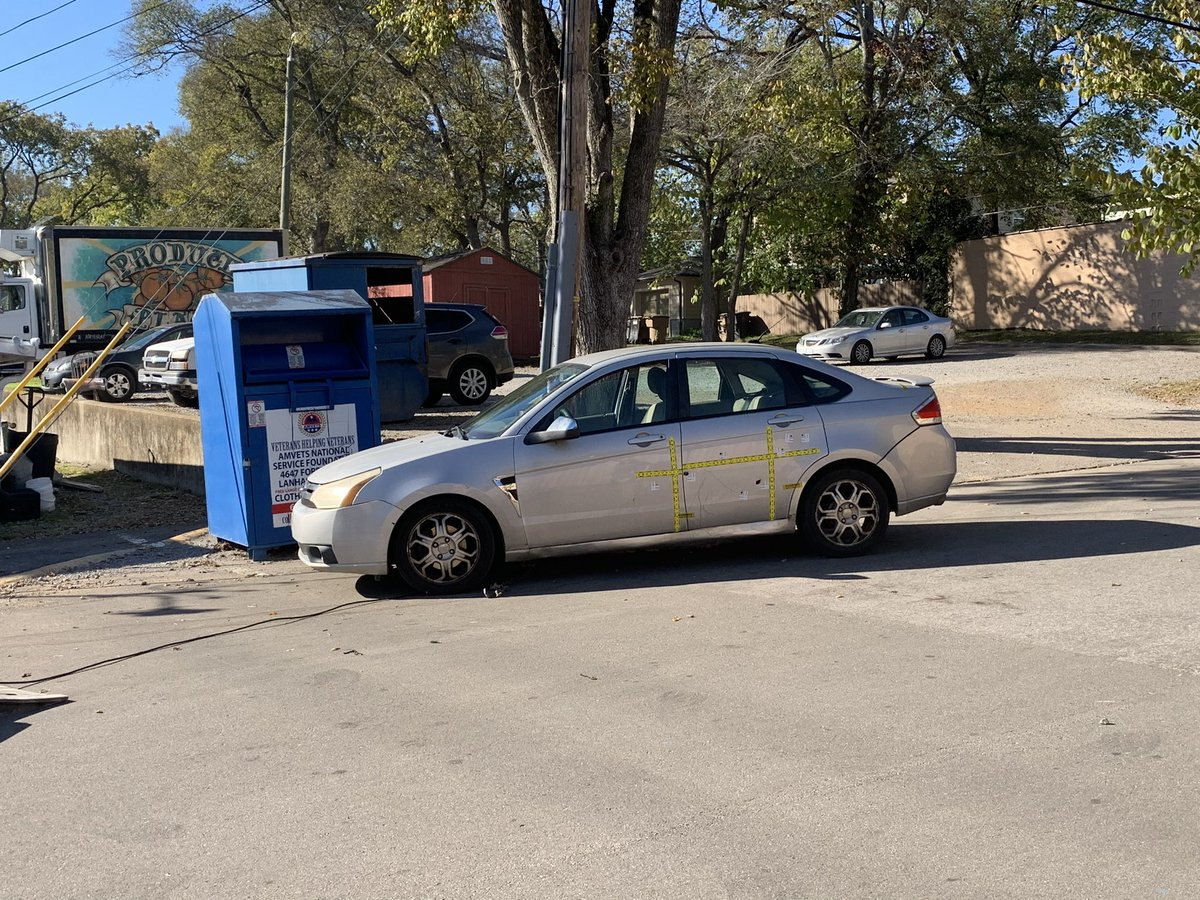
<point x="1155" y="69"/>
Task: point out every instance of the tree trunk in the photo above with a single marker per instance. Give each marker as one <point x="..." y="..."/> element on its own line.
<point x="735" y="277"/>
<point x="618" y="202"/>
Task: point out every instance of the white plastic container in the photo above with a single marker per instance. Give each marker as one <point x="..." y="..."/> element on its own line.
<point x="45" y="488"/>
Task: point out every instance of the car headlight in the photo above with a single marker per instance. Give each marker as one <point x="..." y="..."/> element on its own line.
<point x="836" y="340"/>
<point x="336" y="494"/>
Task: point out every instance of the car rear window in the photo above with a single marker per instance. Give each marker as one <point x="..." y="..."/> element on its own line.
<point x="822" y="388"/>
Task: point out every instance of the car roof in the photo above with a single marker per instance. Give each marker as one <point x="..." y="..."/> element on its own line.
<point x="698" y="348"/>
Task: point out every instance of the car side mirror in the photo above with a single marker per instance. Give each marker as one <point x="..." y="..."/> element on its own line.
<point x="561" y="429"/>
<point x="883" y="325"/>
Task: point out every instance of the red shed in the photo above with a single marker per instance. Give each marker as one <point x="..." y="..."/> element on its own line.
<point x="508" y="290"/>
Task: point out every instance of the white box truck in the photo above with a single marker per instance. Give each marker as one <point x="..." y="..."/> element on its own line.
<point x="54" y="274"/>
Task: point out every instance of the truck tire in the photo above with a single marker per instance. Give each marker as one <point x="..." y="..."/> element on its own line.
<point x="183" y="398"/>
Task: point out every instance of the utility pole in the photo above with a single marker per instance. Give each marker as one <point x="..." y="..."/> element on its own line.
<point x="285" y="180"/>
<point x="572" y="181"/>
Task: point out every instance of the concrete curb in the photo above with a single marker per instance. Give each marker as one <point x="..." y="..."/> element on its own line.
<point x="82" y="562"/>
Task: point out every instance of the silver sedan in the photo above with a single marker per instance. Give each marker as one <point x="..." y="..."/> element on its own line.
<point x="648" y="445"/>
<point x="887" y="331"/>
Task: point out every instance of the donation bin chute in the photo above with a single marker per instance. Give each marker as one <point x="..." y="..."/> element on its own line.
<point x="287" y="384"/>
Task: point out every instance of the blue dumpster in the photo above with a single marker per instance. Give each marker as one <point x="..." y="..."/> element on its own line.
<point x="287" y="384"/>
<point x="391" y="283"/>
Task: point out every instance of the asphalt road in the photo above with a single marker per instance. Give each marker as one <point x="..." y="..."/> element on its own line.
<point x="1001" y="703"/>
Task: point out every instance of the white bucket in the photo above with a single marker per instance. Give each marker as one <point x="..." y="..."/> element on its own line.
<point x="45" y="488"/>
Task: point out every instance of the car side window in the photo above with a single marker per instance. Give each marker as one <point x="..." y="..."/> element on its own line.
<point x="821" y="387"/>
<point x="914" y="317"/>
<point x="12" y="298"/>
<point x="638" y="395"/>
<point x="444" y="321"/>
<point x="891" y="319"/>
<point x="725" y="386"/>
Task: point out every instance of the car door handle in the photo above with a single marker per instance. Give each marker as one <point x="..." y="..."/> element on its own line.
<point x="785" y="420"/>
<point x="645" y="439"/>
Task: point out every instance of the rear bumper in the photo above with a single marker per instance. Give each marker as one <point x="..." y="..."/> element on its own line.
<point x="922" y="468"/>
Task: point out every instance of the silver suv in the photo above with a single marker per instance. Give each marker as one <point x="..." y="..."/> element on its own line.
<point x="468" y="353"/>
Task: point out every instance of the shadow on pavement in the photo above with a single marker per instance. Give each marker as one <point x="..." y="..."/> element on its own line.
<point x="1086" y="487"/>
<point x="11" y="716"/>
<point x="907" y="548"/>
<point x="1103" y="448"/>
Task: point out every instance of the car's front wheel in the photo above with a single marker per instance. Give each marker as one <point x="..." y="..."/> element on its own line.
<point x="117" y="384"/>
<point x="861" y="354"/>
<point x="470" y="383"/>
<point x="844" y="512"/>
<point x="936" y="348"/>
<point x="443" y="547"/>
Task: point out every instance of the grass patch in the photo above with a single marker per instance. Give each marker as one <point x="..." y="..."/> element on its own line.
<point x="1173" y="393"/>
<point x="122" y="503"/>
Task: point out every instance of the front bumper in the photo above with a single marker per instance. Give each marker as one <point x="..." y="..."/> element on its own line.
<point x="354" y="538"/>
<point x="825" y="351"/>
<point x="167" y="378"/>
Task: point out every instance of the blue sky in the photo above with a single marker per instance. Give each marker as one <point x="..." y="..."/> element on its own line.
<point x="117" y="101"/>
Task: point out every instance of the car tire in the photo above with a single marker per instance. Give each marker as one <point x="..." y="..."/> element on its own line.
<point x="118" y="384"/>
<point x="936" y="348"/>
<point x="471" y="383"/>
<point x="183" y="398"/>
<point x="444" y="546"/>
<point x="844" y="512"/>
<point x="861" y="354"/>
<point x="433" y="397"/>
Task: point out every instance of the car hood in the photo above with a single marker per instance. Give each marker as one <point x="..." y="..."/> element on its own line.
<point x="389" y="455"/>
<point x="832" y="333"/>
<point x="171" y="346"/>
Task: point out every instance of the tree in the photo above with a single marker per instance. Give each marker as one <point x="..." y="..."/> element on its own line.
<point x="1150" y="66"/>
<point x="53" y="171"/>
<point x="632" y="49"/>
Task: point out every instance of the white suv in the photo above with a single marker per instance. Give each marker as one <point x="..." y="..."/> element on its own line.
<point x="171" y="366"/>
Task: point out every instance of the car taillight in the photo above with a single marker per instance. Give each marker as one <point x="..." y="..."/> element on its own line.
<point x="500" y="332"/>
<point x="929" y="414"/>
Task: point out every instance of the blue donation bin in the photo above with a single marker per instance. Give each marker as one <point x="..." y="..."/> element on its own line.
<point x="287" y="384"/>
<point x="391" y="283"/>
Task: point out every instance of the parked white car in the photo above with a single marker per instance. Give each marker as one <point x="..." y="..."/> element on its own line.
<point x="646" y="445"/>
<point x="171" y="367"/>
<point x="887" y="331"/>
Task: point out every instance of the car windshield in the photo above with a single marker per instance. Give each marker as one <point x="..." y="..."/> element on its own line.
<point x="145" y="339"/>
<point x="494" y="421"/>
<point x="863" y="318"/>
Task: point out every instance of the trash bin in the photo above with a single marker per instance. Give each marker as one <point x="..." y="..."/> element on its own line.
<point x="287" y="384"/>
<point x="659" y="327"/>
<point x="42" y="453"/>
<point x="391" y="283"/>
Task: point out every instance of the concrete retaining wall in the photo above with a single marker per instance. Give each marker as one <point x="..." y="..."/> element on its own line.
<point x="153" y="444"/>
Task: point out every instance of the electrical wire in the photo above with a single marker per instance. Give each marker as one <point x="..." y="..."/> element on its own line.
<point x="81" y="37"/>
<point x="35" y="18"/>
<point x="133" y="61"/>
<point x="112" y="660"/>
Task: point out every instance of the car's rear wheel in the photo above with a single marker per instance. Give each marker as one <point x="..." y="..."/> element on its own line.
<point x="117" y="384"/>
<point x="183" y="398"/>
<point x="844" y="512"/>
<point x="861" y="354"/>
<point x="444" y="546"/>
<point x="470" y="383"/>
<point x="936" y="348"/>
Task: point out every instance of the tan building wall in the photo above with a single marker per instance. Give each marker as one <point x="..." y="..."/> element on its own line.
<point x="789" y="313"/>
<point x="1072" y="278"/>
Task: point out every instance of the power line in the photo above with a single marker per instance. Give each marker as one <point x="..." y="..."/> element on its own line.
<point x="81" y="37"/>
<point x="133" y="61"/>
<point x="1136" y="14"/>
<point x="35" y="18"/>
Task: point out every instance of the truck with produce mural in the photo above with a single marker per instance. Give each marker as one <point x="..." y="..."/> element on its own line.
<point x="146" y="276"/>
